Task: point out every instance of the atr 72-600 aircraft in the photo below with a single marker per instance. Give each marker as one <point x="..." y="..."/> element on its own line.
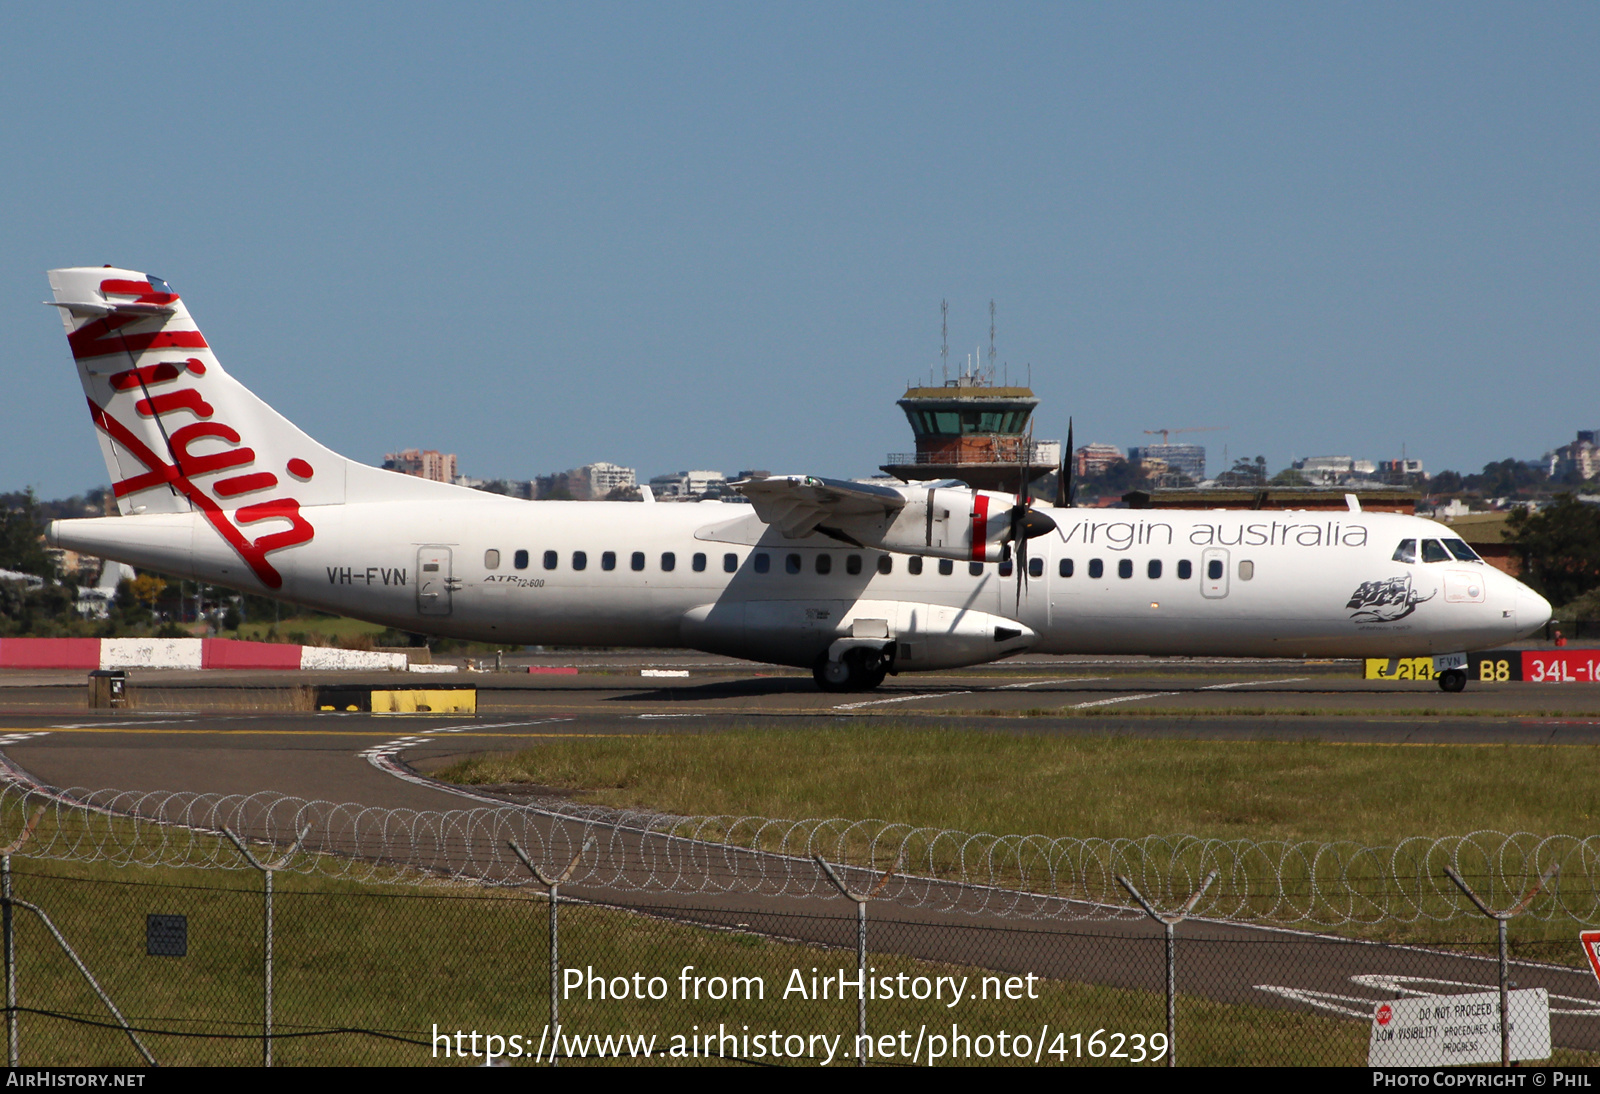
<point x="853" y="581"/>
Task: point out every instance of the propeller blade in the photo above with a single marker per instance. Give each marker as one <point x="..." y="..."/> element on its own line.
<point x="1022" y="569"/>
<point x="1064" y="478"/>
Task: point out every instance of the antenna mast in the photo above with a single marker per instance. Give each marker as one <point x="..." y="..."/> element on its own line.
<point x="991" y="340"/>
<point x="944" y="338"/>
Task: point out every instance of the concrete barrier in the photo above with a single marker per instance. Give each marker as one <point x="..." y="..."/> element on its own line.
<point x="185" y="653"/>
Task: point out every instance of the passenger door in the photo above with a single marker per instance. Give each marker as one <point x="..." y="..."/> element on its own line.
<point x="434" y="583"/>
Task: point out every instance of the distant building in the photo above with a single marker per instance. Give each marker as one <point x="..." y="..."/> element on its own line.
<point x="1186" y="459"/>
<point x="428" y="464"/>
<point x="1332" y="470"/>
<point x="1581" y="457"/>
<point x="594" y="481"/>
<point x="1096" y="459"/>
<point x="687" y="484"/>
<point x="1401" y="470"/>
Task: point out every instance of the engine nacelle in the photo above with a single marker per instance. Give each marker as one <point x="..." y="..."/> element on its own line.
<point x="942" y="519"/>
<point x="943" y="522"/>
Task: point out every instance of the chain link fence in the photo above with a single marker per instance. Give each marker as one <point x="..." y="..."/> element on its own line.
<point x="138" y="926"/>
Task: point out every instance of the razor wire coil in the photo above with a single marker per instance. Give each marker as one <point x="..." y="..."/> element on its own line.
<point x="1014" y="876"/>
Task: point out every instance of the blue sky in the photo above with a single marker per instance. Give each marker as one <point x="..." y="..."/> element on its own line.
<point x="677" y="236"/>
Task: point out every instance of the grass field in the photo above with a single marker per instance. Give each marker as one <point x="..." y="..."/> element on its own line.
<point x="1074" y="786"/>
<point x="328" y="630"/>
<point x="365" y="974"/>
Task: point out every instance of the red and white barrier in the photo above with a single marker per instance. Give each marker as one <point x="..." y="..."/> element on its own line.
<point x="184" y="653"/>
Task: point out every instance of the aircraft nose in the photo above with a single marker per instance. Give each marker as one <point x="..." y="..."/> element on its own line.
<point x="1533" y="610"/>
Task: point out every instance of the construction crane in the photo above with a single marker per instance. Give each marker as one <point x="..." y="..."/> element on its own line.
<point x="1196" y="429"/>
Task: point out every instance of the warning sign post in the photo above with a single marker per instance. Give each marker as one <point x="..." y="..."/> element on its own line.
<point x="1437" y="1030"/>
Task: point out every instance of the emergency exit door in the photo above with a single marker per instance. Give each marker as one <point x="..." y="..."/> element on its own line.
<point x="1213" y="573"/>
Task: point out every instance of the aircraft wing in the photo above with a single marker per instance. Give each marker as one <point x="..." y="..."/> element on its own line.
<point x="796" y="504"/>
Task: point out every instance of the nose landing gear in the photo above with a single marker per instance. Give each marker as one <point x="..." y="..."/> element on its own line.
<point x="1453" y="680"/>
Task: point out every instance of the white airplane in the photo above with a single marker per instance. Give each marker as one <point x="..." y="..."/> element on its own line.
<point x="852" y="581"/>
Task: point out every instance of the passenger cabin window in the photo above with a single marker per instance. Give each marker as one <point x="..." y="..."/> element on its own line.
<point x="914" y="564"/>
<point x="1433" y="551"/>
<point x="1096" y="567"/>
<point x="669" y="562"/>
<point x="637" y="561"/>
<point x="608" y="560"/>
<point x="1407" y="551"/>
<point x="1153" y="568"/>
<point x="520" y="560"/>
<point x="946" y="567"/>
<point x="730" y="563"/>
<point x="885" y="564"/>
<point x="1185" y="570"/>
<point x="975" y="569"/>
<point x="1247" y="570"/>
<point x="491" y="559"/>
<point x="580" y="560"/>
<point x="550" y="560"/>
<point x="1036" y="567"/>
<point x="699" y="562"/>
<point x="824" y="563"/>
<point x="1065" y="567"/>
<point x="1459" y="548"/>
<point x="852" y="564"/>
<point x="791" y="564"/>
<point x="1125" y="567"/>
<point x="1005" y="568"/>
<point x="763" y="562"/>
<point x="1214" y="570"/>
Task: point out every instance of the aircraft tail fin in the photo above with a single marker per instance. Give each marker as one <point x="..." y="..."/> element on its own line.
<point x="180" y="435"/>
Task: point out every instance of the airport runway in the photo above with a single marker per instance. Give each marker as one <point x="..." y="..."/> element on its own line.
<point x="219" y="733"/>
<point x="236" y="733"/>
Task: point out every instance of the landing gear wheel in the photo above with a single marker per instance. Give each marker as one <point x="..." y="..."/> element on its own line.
<point x="1452" y="680"/>
<point x="831" y="675"/>
<point x="861" y="670"/>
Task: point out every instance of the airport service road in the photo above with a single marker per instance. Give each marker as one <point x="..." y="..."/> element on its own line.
<point x="198" y="732"/>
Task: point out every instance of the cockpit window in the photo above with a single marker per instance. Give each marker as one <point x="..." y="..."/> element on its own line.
<point x="1407" y="551"/>
<point x="1433" y="551"/>
<point x="1459" y="548"/>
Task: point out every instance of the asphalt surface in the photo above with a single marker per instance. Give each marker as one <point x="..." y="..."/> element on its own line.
<point x="239" y="733"/>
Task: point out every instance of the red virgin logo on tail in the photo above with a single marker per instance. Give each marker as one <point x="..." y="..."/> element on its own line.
<point x="105" y="336"/>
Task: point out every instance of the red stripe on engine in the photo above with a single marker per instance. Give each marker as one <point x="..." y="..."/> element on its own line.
<point x="980" y="527"/>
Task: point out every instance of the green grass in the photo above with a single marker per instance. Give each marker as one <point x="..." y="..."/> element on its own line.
<point x="396" y="961"/>
<point x="1074" y="785"/>
<point x="331" y="629"/>
<point x="365" y="971"/>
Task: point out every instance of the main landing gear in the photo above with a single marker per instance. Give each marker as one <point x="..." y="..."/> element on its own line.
<point x="861" y="669"/>
<point x="1453" y="680"/>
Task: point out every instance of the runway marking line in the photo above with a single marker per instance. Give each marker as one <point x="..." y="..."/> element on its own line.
<point x="1053" y="680"/>
<point x="1121" y="699"/>
<point x="901" y="699"/>
<point x="1253" y="683"/>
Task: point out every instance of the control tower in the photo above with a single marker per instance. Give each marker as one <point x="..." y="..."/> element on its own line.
<point x="970" y="430"/>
